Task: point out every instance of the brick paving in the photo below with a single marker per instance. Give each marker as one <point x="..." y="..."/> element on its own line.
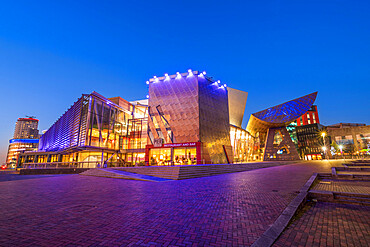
<point x="362" y="187"/>
<point x="328" y="224"/>
<point x="230" y="209"/>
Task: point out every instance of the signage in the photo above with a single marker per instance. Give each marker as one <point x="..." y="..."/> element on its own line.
<point x="174" y="145"/>
<point x="158" y="142"/>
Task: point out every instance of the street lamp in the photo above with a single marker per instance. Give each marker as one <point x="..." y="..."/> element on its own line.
<point x="323" y="134"/>
<point x="341" y="150"/>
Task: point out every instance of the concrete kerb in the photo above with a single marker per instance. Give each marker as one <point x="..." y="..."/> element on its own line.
<point x="273" y="232"/>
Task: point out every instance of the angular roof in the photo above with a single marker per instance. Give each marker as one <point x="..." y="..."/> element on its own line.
<point x="280" y="115"/>
<point x="237" y="102"/>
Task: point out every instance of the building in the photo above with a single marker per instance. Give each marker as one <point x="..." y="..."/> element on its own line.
<point x="270" y="127"/>
<point x="309" y="117"/>
<point x="188" y="120"/>
<point x="353" y="138"/>
<point x="94" y="131"/>
<point x="26" y="128"/>
<point x="25" y="138"/>
<point x="310" y="141"/>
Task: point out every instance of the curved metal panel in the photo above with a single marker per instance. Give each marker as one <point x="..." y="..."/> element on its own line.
<point x="280" y="115"/>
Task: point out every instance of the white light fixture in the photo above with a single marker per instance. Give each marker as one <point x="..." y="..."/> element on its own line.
<point x="147" y="82"/>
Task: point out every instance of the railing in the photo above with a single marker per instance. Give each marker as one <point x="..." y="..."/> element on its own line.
<point x="82" y="164"/>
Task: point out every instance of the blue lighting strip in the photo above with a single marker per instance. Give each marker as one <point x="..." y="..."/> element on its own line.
<point x="24" y="141"/>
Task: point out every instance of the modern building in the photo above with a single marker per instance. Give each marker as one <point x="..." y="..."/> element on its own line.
<point x="311" y="142"/>
<point x="26" y="128"/>
<point x="309" y="117"/>
<point x="25" y="138"/>
<point x="188" y="120"/>
<point x="94" y="131"/>
<point x="270" y="127"/>
<point x="354" y="138"/>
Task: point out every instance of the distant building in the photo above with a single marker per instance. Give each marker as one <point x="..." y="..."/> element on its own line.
<point x="25" y="138"/>
<point x="354" y="137"/>
<point x="26" y="128"/>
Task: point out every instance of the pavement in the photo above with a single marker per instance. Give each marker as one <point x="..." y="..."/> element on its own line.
<point x="225" y="210"/>
<point x="328" y="224"/>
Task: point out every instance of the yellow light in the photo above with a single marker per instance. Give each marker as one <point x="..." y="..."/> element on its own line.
<point x="323" y="134"/>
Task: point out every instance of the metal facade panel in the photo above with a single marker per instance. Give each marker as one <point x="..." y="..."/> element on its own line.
<point x="280" y="115"/>
<point x="65" y="132"/>
<point x="214" y="121"/>
<point x="237" y="103"/>
<point x="178" y="101"/>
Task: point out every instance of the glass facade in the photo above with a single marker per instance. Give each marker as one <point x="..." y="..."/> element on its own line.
<point x="243" y="145"/>
<point x="94" y="132"/>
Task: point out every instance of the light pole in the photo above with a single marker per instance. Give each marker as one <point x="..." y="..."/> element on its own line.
<point x="341" y="151"/>
<point x="323" y="134"/>
<point x="324" y="149"/>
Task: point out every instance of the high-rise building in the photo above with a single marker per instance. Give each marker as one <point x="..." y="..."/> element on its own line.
<point x="25" y="138"/>
<point x="26" y="128"/>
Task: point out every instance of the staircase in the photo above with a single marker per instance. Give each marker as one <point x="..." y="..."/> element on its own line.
<point x="340" y="197"/>
<point x="197" y="171"/>
<point x="111" y="173"/>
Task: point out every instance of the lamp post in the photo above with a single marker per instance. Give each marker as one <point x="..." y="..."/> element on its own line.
<point x="324" y="149"/>
<point x="341" y="151"/>
<point x="323" y="134"/>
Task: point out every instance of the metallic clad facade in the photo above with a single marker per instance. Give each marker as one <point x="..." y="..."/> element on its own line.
<point x="66" y="131"/>
<point x="237" y="103"/>
<point x="191" y="108"/>
<point x="214" y="122"/>
<point x="178" y="99"/>
<point x="274" y="120"/>
<point x="280" y="115"/>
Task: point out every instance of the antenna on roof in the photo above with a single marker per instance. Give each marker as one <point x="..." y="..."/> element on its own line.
<point x="30" y="116"/>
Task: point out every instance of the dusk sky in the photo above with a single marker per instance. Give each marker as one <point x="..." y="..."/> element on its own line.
<point x="51" y="53"/>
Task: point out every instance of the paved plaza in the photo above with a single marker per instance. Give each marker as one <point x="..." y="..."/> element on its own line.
<point x="224" y="210"/>
<point x="328" y="224"/>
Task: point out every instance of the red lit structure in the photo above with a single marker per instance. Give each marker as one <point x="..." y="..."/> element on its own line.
<point x="310" y="117"/>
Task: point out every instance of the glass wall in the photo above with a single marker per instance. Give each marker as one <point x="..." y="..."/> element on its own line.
<point x="242" y="143"/>
<point x="107" y="123"/>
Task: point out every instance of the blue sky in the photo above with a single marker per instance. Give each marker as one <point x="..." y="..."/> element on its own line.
<point x="51" y="52"/>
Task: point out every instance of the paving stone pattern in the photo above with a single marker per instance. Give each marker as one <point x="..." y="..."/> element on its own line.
<point x="328" y="224"/>
<point x="224" y="210"/>
<point x="344" y="186"/>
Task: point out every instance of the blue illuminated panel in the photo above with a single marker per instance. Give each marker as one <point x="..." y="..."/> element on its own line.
<point x="288" y="111"/>
<point x="24" y="141"/>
